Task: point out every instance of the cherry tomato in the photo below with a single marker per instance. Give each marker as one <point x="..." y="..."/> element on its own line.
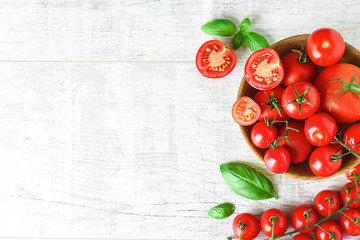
<point x="277" y="160"/>
<point x="321" y="163"/>
<point x="298" y="68"/>
<point x="262" y="135"/>
<point x="300" y="100"/>
<point x="322" y="201"/>
<point x="320" y="129"/>
<point x="302" y="237"/>
<point x="353" y="171"/>
<point x="298" y="146"/>
<point x="281" y="223"/>
<point x="245" y="111"/>
<point x="264" y="70"/>
<point x="298" y="219"/>
<point x="352" y="137"/>
<point x="347" y="225"/>
<point x="331" y="227"/>
<point x="325" y="47"/>
<point x="339" y="104"/>
<point x="269" y="102"/>
<point x="346" y="198"/>
<point x="252" y="228"/>
<point x="214" y="60"/>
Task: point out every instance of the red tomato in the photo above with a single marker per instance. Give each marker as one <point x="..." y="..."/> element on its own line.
<point x="302" y="237"/>
<point x="331" y="227"/>
<point x="322" y="201"/>
<point x="245" y="111"/>
<point x="353" y="171"/>
<point x="264" y="70"/>
<point x="214" y="60"/>
<point x="340" y="104"/>
<point x="298" y="68"/>
<point x="320" y="129"/>
<point x="325" y="47"/>
<point x="281" y="223"/>
<point x="252" y="228"/>
<point x="298" y="146"/>
<point x="300" y="100"/>
<point x="352" y="137"/>
<point x="321" y="163"/>
<point x="277" y="160"/>
<point x="347" y="225"/>
<point x="346" y="198"/>
<point x="269" y="102"/>
<point x="262" y="135"/>
<point x="298" y="219"/>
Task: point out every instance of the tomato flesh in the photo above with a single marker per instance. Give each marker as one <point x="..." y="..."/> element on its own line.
<point x="264" y="70"/>
<point x="214" y="60"/>
<point x="246" y="111"/>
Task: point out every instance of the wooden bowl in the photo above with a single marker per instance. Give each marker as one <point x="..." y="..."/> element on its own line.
<point x="299" y="170"/>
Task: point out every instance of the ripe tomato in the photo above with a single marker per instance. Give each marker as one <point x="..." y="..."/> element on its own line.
<point x="262" y="135"/>
<point x="353" y="171"/>
<point x="347" y="225"/>
<point x="320" y="129"/>
<point x="214" y="60"/>
<point x="245" y="111"/>
<point x="346" y="198"/>
<point x="338" y="103"/>
<point x="321" y="204"/>
<point x="269" y="102"/>
<point x="302" y="237"/>
<point x="277" y="160"/>
<point x="298" y="146"/>
<point x="298" y="219"/>
<point x="331" y="227"/>
<point x="281" y="223"/>
<point x="325" y="47"/>
<point x="298" y="68"/>
<point x="321" y="163"/>
<point x="352" y="135"/>
<point x="264" y="70"/>
<point x="252" y="228"/>
<point x="300" y="100"/>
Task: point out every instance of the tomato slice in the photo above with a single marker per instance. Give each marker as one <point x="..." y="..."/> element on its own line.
<point x="246" y="111"/>
<point x="214" y="60"/>
<point x="264" y="69"/>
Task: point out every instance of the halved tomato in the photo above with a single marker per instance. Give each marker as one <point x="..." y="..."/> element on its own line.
<point x="214" y="60"/>
<point x="246" y="111"/>
<point x="264" y="69"/>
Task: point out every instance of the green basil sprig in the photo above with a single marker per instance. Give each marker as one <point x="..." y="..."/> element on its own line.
<point x="225" y="28"/>
<point x="247" y="182"/>
<point x="221" y="211"/>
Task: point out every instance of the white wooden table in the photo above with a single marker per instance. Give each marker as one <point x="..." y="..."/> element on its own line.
<point x="107" y="130"/>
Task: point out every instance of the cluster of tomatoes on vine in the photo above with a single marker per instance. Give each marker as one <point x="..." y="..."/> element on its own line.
<point x="298" y="108"/>
<point x="305" y="218"/>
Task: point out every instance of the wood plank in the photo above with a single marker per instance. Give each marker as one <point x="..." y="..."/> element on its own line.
<point x="128" y="150"/>
<point x="143" y="30"/>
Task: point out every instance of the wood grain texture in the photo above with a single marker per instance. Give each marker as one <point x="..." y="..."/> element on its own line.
<point x="131" y="149"/>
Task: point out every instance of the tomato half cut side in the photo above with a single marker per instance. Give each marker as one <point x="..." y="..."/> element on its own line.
<point x="246" y="111"/>
<point x="214" y="60"/>
<point x="264" y="69"/>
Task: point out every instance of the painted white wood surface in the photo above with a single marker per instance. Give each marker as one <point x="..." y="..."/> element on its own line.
<point x="127" y="142"/>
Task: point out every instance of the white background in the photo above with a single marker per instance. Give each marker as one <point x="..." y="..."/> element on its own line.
<point x="107" y="130"/>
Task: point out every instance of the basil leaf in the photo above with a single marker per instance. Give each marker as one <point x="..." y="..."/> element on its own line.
<point x="255" y="41"/>
<point x="245" y="25"/>
<point x="238" y="40"/>
<point x="219" y="27"/>
<point x="221" y="211"/>
<point x="247" y="182"/>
